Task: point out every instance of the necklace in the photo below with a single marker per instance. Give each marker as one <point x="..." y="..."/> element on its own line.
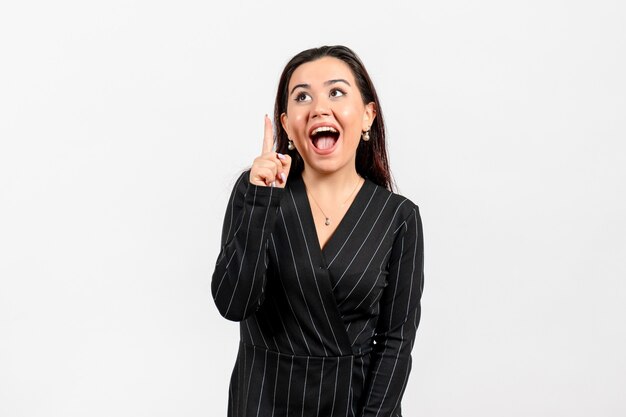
<point x="327" y="219"/>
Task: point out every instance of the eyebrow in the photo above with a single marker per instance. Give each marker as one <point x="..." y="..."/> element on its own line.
<point x="329" y="82"/>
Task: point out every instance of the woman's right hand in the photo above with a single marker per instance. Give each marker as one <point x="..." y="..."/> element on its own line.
<point x="270" y="168"/>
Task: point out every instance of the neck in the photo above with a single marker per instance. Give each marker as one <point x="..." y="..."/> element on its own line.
<point x="337" y="183"/>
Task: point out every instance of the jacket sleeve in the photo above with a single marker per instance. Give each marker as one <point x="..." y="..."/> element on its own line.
<point x="397" y="322"/>
<point x="239" y="278"/>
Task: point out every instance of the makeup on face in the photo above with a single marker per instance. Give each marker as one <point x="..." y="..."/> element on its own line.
<point x="325" y="113"/>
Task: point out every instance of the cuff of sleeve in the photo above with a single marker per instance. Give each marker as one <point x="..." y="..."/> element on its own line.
<point x="262" y="196"/>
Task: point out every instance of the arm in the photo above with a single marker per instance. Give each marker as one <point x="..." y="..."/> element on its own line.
<point x="397" y="323"/>
<point x="239" y="278"/>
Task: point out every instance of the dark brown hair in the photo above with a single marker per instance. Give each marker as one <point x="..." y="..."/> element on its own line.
<point x="371" y="156"/>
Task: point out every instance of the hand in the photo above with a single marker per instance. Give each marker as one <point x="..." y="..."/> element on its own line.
<point x="270" y="168"/>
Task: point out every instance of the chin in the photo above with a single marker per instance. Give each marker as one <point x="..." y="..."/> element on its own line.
<point x="325" y="167"/>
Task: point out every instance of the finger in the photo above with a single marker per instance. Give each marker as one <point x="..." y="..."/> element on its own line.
<point x="272" y="162"/>
<point x="281" y="177"/>
<point x="265" y="176"/>
<point x="285" y="162"/>
<point x="268" y="137"/>
<point x="265" y="169"/>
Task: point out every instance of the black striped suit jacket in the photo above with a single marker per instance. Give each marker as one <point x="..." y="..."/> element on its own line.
<point x="324" y="332"/>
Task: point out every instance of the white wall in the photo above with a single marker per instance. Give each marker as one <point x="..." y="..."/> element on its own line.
<point x="123" y="125"/>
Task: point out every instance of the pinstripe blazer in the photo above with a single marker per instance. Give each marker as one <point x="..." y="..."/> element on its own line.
<point x="323" y="332"/>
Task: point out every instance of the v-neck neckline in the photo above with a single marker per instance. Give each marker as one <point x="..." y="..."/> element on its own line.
<point x="348" y="219"/>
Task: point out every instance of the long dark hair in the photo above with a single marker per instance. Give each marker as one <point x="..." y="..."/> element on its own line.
<point x="371" y="156"/>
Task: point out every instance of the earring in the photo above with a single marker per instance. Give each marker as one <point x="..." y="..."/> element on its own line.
<point x="290" y="145"/>
<point x="366" y="135"/>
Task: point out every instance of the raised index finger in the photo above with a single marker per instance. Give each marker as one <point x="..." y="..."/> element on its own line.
<point x="268" y="138"/>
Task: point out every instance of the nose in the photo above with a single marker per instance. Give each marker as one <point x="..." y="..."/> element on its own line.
<point x="321" y="106"/>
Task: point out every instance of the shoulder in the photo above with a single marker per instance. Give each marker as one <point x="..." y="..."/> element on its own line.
<point x="406" y="220"/>
<point x="402" y="207"/>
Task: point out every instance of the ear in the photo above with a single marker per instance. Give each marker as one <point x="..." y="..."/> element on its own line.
<point x="284" y="121"/>
<point x="369" y="114"/>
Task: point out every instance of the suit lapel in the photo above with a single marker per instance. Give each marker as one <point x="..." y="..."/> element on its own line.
<point x="322" y="280"/>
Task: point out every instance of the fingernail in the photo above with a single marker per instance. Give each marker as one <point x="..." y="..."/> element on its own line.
<point x="280" y="155"/>
<point x="283" y="177"/>
<point x="273" y="184"/>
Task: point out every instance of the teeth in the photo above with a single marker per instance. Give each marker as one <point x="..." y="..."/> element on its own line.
<point x="324" y="129"/>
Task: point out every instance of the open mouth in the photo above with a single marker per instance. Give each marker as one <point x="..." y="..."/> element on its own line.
<point x="324" y="137"/>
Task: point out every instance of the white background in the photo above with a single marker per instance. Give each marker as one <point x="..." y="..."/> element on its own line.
<point x="123" y="125"/>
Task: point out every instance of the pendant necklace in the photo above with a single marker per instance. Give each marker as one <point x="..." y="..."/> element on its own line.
<point x="327" y="219"/>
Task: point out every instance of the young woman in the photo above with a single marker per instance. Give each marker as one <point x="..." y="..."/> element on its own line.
<point x="320" y="261"/>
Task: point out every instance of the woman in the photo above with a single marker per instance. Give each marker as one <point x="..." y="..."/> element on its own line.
<point x="320" y="262"/>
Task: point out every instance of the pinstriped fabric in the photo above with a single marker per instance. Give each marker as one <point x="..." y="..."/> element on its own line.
<point x="324" y="332"/>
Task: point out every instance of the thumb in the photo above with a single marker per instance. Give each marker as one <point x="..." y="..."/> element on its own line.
<point x="285" y="161"/>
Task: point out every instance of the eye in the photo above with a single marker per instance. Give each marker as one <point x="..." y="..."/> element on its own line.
<point x="336" y="92"/>
<point x="302" y="96"/>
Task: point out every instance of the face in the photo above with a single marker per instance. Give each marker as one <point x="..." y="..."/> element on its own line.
<point x="326" y="115"/>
